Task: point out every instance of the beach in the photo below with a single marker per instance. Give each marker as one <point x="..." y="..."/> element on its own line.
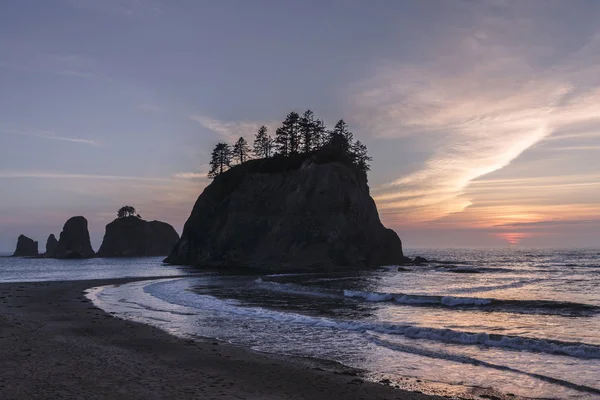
<point x="57" y="345"/>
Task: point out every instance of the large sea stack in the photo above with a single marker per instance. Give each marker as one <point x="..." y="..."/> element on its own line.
<point x="51" y="244"/>
<point x="283" y="214"/>
<point x="26" y="247"/>
<point x="134" y="237"/>
<point x="74" y="240"/>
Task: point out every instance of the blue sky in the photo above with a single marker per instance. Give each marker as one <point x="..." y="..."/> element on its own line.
<point x="481" y="116"/>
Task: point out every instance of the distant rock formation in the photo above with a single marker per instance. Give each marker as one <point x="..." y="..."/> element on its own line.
<point x="51" y="244"/>
<point x="74" y="240"/>
<point x="26" y="247"/>
<point x="134" y="237"/>
<point x="298" y="213"/>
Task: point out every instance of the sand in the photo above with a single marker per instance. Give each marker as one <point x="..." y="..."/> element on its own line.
<point x="55" y="344"/>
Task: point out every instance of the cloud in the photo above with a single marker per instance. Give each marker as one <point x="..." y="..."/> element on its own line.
<point x="24" y="58"/>
<point x="59" y="175"/>
<point x="480" y="103"/>
<point x="232" y="130"/>
<point x="122" y="8"/>
<point x="51" y="136"/>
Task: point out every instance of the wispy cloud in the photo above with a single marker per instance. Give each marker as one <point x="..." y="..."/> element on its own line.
<point x="35" y="60"/>
<point x="60" y="175"/>
<point x="231" y="130"/>
<point x="51" y="136"/>
<point x="480" y="104"/>
<point x="123" y="8"/>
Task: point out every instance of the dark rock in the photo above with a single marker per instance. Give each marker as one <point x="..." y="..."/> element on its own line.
<point x="26" y="247"/>
<point x="420" y="261"/>
<point x="51" y="244"/>
<point x="402" y="269"/>
<point x="464" y="271"/>
<point x="74" y="240"/>
<point x="134" y="237"/>
<point x="309" y="216"/>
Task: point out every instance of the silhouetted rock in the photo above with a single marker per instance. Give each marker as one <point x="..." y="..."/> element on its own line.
<point x="402" y="269"/>
<point x="74" y="240"/>
<point x="420" y="261"/>
<point x="286" y="214"/>
<point x="26" y="247"/>
<point x="134" y="237"/>
<point x="51" y="244"/>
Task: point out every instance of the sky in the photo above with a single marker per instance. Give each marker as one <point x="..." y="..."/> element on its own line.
<point x="482" y="117"/>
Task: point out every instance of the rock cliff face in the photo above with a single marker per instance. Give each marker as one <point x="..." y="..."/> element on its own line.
<point x="51" y="244"/>
<point x="74" y="240"/>
<point x="26" y="247"/>
<point x="134" y="237"/>
<point x="292" y="215"/>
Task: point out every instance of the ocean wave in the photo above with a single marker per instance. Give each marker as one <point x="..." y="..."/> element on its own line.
<point x="486" y="304"/>
<point x="205" y="302"/>
<point x="293" y="289"/>
<point x="443" y="355"/>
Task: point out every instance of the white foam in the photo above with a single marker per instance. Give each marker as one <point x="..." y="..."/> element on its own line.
<point x="166" y="292"/>
<point x="416" y="299"/>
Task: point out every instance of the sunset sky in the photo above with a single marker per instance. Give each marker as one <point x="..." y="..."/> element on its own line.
<point x="482" y="117"/>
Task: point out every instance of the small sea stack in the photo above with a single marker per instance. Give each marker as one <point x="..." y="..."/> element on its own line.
<point x="131" y="236"/>
<point x="51" y="244"/>
<point x="26" y="247"/>
<point x="74" y="240"/>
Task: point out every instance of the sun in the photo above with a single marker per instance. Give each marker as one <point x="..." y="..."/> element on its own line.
<point x="513" y="238"/>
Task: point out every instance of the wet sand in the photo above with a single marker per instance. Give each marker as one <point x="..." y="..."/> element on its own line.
<point x="55" y="344"/>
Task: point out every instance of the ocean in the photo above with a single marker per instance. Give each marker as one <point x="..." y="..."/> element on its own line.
<point x="513" y="322"/>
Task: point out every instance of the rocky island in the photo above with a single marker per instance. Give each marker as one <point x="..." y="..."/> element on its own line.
<point x="74" y="241"/>
<point x="131" y="236"/>
<point x="296" y="210"/>
<point x="26" y="247"/>
<point x="51" y="244"/>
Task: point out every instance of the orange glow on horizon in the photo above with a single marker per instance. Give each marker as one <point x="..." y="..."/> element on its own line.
<point x="513" y="238"/>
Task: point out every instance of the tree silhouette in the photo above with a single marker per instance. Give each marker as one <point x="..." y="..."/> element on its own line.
<point x="282" y="142"/>
<point x="307" y="131"/>
<point x="220" y="159"/>
<point x="241" y="150"/>
<point x="127" y="211"/>
<point x="341" y="128"/>
<point x="319" y="134"/>
<point x="291" y="126"/>
<point x="304" y="134"/>
<point x="263" y="143"/>
<point x="360" y="156"/>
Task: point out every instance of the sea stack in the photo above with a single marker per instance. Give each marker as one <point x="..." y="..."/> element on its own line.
<point x="133" y="237"/>
<point x="299" y="213"/>
<point x="26" y="247"/>
<point x="74" y="240"/>
<point x="51" y="244"/>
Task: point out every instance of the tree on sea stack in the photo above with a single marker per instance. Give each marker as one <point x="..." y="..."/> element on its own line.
<point x="282" y="142"/>
<point x="220" y="159"/>
<point x="263" y="143"/>
<point x="307" y="131"/>
<point x="361" y="158"/>
<point x="241" y="151"/>
<point x="127" y="211"/>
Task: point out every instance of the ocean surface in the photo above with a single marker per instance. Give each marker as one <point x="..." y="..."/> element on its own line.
<point x="511" y="322"/>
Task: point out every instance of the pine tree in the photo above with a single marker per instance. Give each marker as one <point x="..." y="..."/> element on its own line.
<point x="360" y="156"/>
<point x="220" y="159"/>
<point x="307" y="125"/>
<point x="241" y="151"/>
<point x="341" y="128"/>
<point x="291" y="126"/>
<point x="282" y="142"/>
<point x="319" y="134"/>
<point x="263" y="143"/>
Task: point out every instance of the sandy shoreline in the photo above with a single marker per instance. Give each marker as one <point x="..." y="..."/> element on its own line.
<point x="56" y="344"/>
